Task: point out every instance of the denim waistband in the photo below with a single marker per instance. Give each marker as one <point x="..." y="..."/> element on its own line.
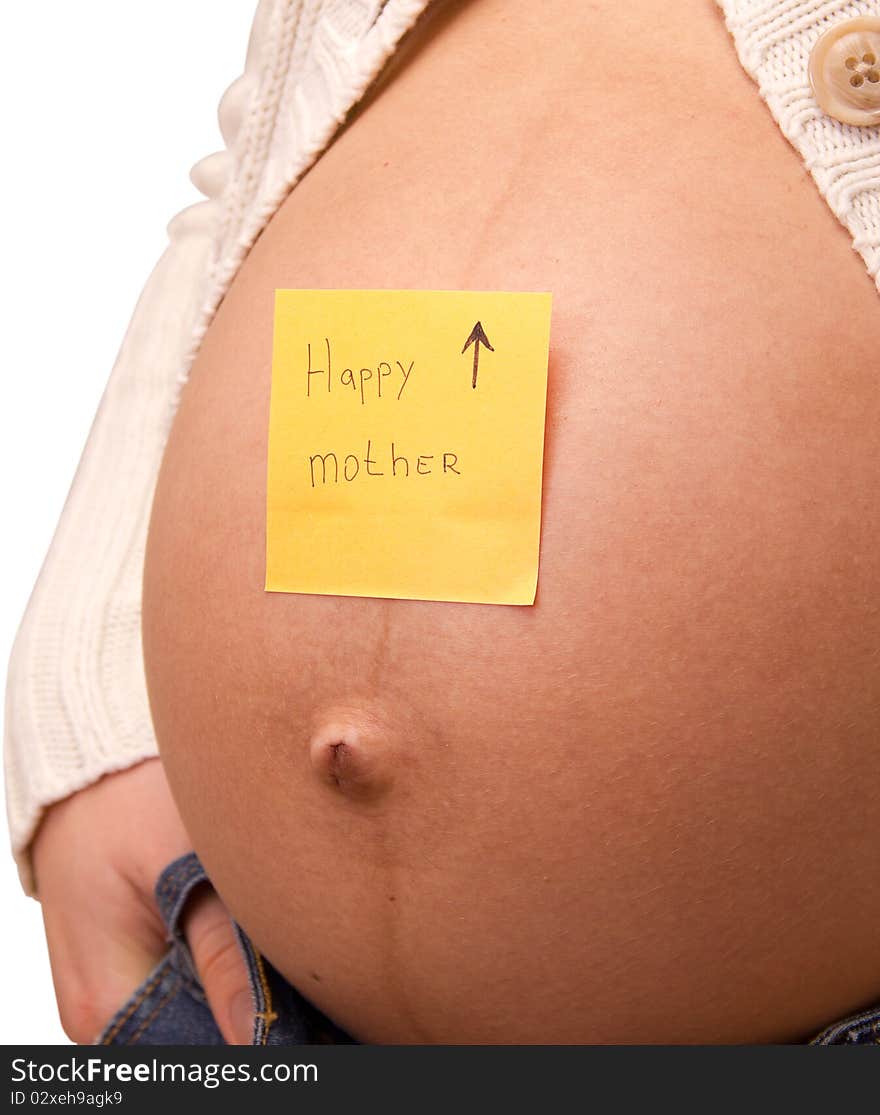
<point x="170" y="1008"/>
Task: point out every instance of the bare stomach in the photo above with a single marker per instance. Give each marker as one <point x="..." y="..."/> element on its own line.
<point x="646" y="808"/>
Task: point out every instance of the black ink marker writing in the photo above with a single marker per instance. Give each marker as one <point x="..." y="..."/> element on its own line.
<point x="477" y="338"/>
<point x="317" y="371"/>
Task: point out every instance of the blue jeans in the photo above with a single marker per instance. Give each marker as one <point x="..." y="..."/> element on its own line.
<point x="169" y="1008"/>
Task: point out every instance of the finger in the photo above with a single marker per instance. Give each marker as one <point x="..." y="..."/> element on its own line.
<point x="220" y="965"/>
<point x="95" y="977"/>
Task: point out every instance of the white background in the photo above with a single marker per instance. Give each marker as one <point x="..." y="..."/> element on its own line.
<point x="106" y="104"/>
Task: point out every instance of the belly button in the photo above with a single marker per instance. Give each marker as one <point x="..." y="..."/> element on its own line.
<point x="352" y="755"/>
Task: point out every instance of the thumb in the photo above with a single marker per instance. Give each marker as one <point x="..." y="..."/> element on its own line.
<point x="220" y="965"/>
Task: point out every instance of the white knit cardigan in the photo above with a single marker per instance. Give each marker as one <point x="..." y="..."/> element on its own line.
<point x="76" y="700"/>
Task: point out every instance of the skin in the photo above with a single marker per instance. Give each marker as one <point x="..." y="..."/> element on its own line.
<point x="642" y="810"/>
<point x="95" y="875"/>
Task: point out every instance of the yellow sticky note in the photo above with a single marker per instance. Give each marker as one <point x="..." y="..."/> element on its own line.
<point x="406" y="444"/>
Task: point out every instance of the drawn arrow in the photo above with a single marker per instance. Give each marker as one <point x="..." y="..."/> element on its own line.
<point x="477" y="338"/>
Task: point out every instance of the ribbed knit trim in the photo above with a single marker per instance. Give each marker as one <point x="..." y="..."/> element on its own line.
<point x="774" y="39"/>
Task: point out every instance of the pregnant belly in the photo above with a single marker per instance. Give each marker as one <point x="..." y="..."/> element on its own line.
<point x="644" y="809"/>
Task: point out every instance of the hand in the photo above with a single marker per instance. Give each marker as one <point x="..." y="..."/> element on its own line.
<point x="97" y="855"/>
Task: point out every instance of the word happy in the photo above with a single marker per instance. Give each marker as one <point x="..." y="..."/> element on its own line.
<point x="356" y="380"/>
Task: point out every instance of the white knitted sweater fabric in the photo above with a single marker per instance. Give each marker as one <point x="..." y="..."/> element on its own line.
<point x="773" y="40"/>
<point x="76" y="699"/>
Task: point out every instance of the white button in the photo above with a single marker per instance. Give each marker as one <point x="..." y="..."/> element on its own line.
<point x="209" y="174"/>
<point x="230" y="111"/>
<point x="195" y="219"/>
<point x="844" y="71"/>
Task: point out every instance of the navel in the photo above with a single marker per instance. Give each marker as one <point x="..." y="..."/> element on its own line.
<point x="352" y="753"/>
